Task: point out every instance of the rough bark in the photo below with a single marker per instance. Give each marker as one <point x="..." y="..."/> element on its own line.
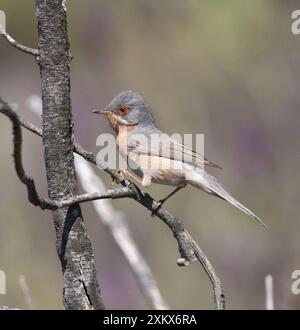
<point x="81" y="289"/>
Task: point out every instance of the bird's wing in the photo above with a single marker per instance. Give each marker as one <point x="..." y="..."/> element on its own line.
<point x="169" y="148"/>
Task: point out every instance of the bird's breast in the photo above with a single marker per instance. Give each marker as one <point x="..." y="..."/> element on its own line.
<point x="161" y="170"/>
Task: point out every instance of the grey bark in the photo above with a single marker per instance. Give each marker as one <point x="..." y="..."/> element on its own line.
<point x="81" y="289"/>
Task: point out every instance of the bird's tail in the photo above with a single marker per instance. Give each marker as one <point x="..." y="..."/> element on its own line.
<point x="208" y="183"/>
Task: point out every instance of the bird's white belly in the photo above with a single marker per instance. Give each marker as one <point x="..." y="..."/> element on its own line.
<point x="161" y="170"/>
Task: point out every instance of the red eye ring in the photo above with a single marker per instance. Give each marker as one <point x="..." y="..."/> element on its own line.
<point x="123" y="110"/>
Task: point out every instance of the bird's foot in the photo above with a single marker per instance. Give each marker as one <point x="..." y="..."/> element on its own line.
<point x="156" y="207"/>
<point x="122" y="173"/>
<point x="117" y="179"/>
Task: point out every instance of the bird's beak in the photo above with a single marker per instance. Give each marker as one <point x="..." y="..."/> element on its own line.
<point x="101" y="111"/>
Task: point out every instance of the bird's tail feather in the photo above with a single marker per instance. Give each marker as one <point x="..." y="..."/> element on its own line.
<point x="209" y="183"/>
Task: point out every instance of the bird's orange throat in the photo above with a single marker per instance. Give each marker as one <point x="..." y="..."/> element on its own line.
<point x="113" y="121"/>
<point x="117" y="125"/>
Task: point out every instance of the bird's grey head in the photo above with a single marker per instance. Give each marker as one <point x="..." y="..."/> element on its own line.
<point x="128" y="108"/>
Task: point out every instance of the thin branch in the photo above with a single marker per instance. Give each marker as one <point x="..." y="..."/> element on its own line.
<point x="17" y="45"/>
<point x="216" y="283"/>
<point x="89" y="156"/>
<point x="188" y="248"/>
<point x="33" y="196"/>
<point x="108" y="194"/>
<point x="117" y="226"/>
<point x="17" y="155"/>
<point x="30" y="127"/>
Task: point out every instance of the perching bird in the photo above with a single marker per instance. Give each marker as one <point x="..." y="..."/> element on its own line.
<point x="163" y="161"/>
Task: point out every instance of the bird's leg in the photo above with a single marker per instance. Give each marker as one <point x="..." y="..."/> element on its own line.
<point x="123" y="173"/>
<point x="162" y="201"/>
<point x="146" y="182"/>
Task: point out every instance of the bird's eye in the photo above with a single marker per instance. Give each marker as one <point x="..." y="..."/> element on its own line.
<point x="123" y="110"/>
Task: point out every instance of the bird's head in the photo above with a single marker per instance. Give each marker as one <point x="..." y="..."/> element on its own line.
<point x="127" y="109"/>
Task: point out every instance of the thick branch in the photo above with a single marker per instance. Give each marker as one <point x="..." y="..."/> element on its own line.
<point x="81" y="289"/>
<point x="17" y="45"/>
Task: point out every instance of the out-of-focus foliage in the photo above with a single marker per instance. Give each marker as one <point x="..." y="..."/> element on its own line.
<point x="228" y="69"/>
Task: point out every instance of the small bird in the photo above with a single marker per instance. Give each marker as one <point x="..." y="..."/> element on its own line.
<point x="166" y="161"/>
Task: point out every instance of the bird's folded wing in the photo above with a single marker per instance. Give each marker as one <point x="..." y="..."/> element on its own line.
<point x="171" y="149"/>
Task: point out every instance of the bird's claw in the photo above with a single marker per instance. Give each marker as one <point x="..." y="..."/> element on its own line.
<point x="121" y="173"/>
<point x="156" y="207"/>
<point x="116" y="180"/>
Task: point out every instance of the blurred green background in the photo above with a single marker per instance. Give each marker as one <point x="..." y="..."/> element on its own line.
<point x="228" y="69"/>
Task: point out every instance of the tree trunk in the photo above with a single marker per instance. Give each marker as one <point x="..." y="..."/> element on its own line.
<point x="81" y="289"/>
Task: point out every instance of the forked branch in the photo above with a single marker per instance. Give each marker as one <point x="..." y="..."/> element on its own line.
<point x="188" y="248"/>
<point x="33" y="197"/>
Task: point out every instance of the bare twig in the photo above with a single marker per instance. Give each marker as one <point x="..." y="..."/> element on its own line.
<point x="108" y="194"/>
<point x="216" y="283"/>
<point x="17" y="154"/>
<point x="25" y="291"/>
<point x="30" y="127"/>
<point x="117" y="226"/>
<point x="17" y="45"/>
<point x="89" y="156"/>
